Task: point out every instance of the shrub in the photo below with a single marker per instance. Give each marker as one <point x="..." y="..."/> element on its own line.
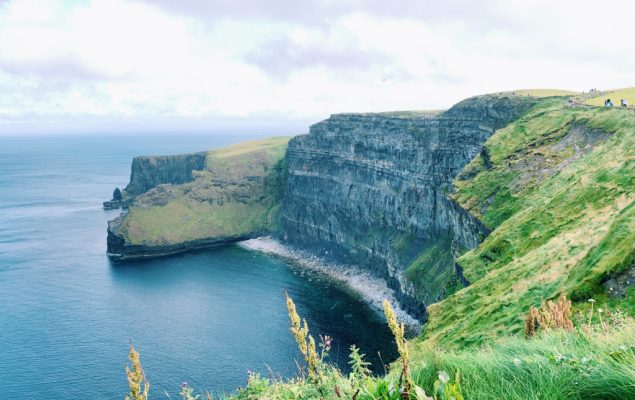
<point x="549" y="316"/>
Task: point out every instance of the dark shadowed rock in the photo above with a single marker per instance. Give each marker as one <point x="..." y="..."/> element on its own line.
<point x="150" y="171"/>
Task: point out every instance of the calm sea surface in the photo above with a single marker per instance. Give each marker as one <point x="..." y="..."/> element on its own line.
<point x="68" y="315"/>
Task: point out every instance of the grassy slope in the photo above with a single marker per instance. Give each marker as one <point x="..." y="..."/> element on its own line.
<point x="542" y="92"/>
<point x="557" y="365"/>
<point x="560" y="222"/>
<point x="432" y="270"/>
<point x="615" y="96"/>
<point x="222" y="201"/>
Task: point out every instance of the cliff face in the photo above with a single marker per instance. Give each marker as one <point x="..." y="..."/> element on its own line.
<point x="150" y="171"/>
<point x="372" y="188"/>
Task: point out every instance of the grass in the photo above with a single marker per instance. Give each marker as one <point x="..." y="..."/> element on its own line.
<point x="615" y="96"/>
<point x="562" y="219"/>
<point x="554" y="365"/>
<point x="237" y="195"/>
<point x="274" y="146"/>
<point x="404" y="114"/>
<point x="182" y="221"/>
<point x="596" y="360"/>
<point x="432" y="272"/>
<point x="542" y="92"/>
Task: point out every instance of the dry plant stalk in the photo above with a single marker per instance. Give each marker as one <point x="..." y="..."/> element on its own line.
<point x="530" y="322"/>
<point x="300" y="331"/>
<point x="549" y="316"/>
<point x="398" y="331"/>
<point x="136" y="378"/>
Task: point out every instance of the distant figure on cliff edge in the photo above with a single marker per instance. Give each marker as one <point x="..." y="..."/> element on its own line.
<point x="608" y="103"/>
<point x="624" y="103"/>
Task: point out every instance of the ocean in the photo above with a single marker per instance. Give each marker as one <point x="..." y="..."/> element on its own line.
<point x="68" y="315"/>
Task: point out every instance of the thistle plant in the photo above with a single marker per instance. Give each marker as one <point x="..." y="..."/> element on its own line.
<point x="136" y="378"/>
<point x="305" y="342"/>
<point x="325" y="346"/>
<point x="398" y="331"/>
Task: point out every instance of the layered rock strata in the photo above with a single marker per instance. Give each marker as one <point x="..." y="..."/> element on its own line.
<point x="373" y="188"/>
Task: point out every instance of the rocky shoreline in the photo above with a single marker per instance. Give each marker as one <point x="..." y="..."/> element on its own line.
<point x="373" y="289"/>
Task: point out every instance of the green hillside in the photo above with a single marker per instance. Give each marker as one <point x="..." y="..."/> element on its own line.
<point x="557" y="189"/>
<point x="542" y="92"/>
<point x="237" y="194"/>
<point x="615" y="95"/>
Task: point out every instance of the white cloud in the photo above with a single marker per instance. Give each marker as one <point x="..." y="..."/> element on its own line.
<point x="131" y="60"/>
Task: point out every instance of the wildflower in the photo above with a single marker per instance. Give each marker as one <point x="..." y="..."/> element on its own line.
<point x="136" y="377"/>
<point x="326" y="342"/>
<point x="444" y="377"/>
<point x="517" y="362"/>
<point x="300" y="332"/>
<point x="591" y="311"/>
<point x="398" y="331"/>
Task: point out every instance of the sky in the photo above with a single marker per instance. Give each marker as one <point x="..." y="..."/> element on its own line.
<point x="277" y="65"/>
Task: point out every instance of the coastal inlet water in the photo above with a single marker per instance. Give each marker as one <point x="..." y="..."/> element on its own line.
<point x="68" y="315"/>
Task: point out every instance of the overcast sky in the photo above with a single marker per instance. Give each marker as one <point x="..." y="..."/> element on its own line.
<point x="122" y="65"/>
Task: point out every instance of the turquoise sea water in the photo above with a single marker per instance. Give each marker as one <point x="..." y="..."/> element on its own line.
<point x="67" y="314"/>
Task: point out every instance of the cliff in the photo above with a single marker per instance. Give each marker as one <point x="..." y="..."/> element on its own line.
<point x="441" y="205"/>
<point x="148" y="172"/>
<point x="233" y="196"/>
<point x="373" y="189"/>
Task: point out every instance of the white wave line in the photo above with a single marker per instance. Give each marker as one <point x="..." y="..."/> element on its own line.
<point x="371" y="288"/>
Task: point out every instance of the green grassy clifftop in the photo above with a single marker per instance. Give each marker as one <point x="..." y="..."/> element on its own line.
<point x="557" y="188"/>
<point x="236" y="195"/>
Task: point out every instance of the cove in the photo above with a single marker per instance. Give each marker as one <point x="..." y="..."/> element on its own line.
<point x="67" y="314"/>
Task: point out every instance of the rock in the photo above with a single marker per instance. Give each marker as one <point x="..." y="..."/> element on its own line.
<point x="148" y="172"/>
<point x="617" y="285"/>
<point x="112" y="204"/>
<point x="116" y="195"/>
